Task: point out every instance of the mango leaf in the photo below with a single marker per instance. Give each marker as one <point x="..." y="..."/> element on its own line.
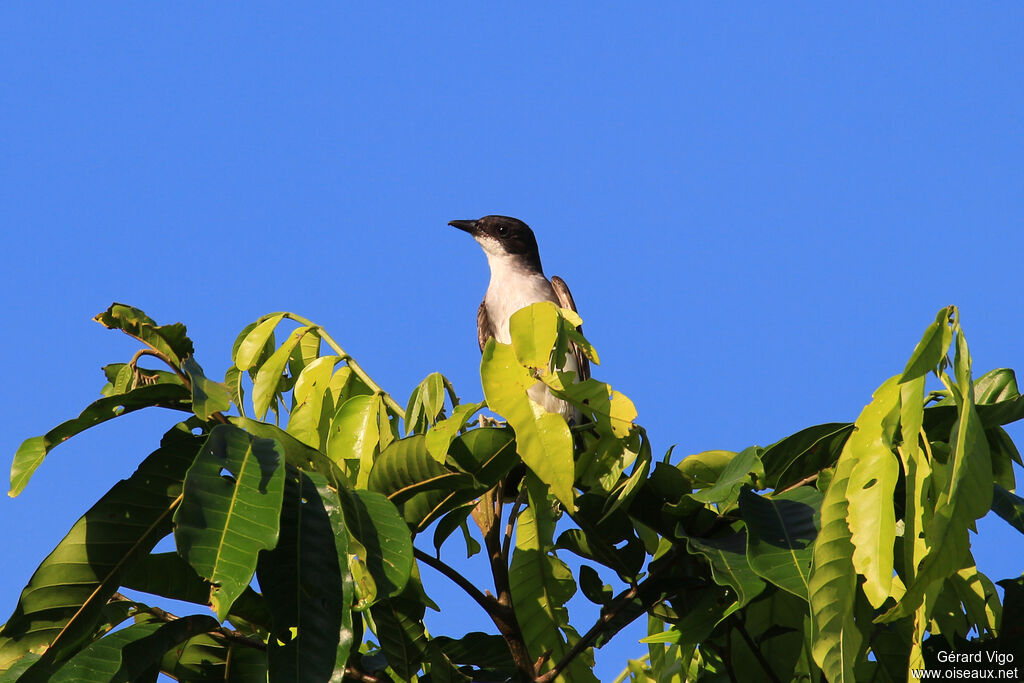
<point x="425" y="404"/>
<point x="533" y="331"/>
<point x="249" y="348"/>
<point x="207" y="657"/>
<point x="131" y="653"/>
<point x="594" y="589"/>
<point x="302" y="580"/>
<point x="487" y="453"/>
<point x="308" y="421"/>
<point x="355" y="434"/>
<point x="803" y="454"/>
<point x="374" y="522"/>
<point x="65" y="596"/>
<point x="541" y="584"/>
<point x="542" y="438"/>
<point x="836" y="640"/>
<point x="32" y="452"/>
<point x="1008" y="506"/>
<point x="170" y="576"/>
<point x="296" y="453"/>
<point x="208" y="397"/>
<point x="780" y="535"/>
<point x="931" y="349"/>
<point x="964" y="497"/>
<point x="734" y="475"/>
<point x="730" y="567"/>
<point x="269" y="376"/>
<point x="170" y="340"/>
<point x="440" y="437"/>
<point x="703" y="469"/>
<point x="421" y="488"/>
<point x="402" y="638"/>
<point x="478" y="649"/>
<point x="996" y="386"/>
<point x="870" y="514"/>
<point x="223" y="522"/>
<point x="456" y="519"/>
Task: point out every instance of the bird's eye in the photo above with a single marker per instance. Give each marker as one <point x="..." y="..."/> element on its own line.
<point x="502" y="230"/>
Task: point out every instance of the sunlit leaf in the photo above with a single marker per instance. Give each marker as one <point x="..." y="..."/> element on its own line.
<point x="355" y="434"/>
<point x="208" y="397"/>
<point x="265" y="387"/>
<point x="251" y="346"/>
<point x="440" y="437"/>
<point x="931" y="349"/>
<point x="223" y="522"/>
<point x="170" y="340"/>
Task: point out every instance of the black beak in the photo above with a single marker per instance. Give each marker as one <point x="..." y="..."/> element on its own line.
<point x="467" y="226"/>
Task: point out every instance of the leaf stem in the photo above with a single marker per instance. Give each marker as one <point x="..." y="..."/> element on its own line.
<point x="350" y="361"/>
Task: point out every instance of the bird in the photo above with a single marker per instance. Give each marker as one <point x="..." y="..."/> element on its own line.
<point x="518" y="280"/>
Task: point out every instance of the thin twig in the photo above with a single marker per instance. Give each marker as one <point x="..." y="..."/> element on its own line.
<point x="484" y="601"/>
<point x="513" y="515"/>
<point x="805" y="480"/>
<point x="227" y="633"/>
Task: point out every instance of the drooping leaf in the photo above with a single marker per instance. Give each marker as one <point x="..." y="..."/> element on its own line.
<point x="780" y="535"/>
<point x="127" y="655"/>
<point x="208" y="397"/>
<point x="268" y="377"/>
<point x="400" y="630"/>
<point x="425" y="404"/>
<point x="870" y="513"/>
<point x="833" y="583"/>
<point x="355" y="434"/>
<point x="595" y="590"/>
<point x="374" y="522"/>
<point x="309" y="421"/>
<point x="931" y="349"/>
<point x="66" y="594"/>
<point x="250" y="347"/>
<point x="223" y="522"/>
<point x="170" y="340"/>
<point x="32" y="452"/>
<point x="303" y="583"/>
<point x="533" y="331"/>
<point x="542" y="439"/>
<point x="208" y="657"/>
<point x="1008" y="506"/>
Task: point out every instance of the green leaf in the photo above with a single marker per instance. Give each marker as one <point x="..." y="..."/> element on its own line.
<point x="780" y="535"/>
<point x="996" y="386"/>
<point x="704" y="469"/>
<point x="208" y="397"/>
<point x="296" y="453"/>
<point x="223" y="522"/>
<point x="355" y="434"/>
<point x="730" y="567"/>
<point x="170" y="340"/>
<point x="129" y="654"/>
<point x="425" y="403"/>
<point x="487" y="453"/>
<point x="836" y="640"/>
<point x="268" y="377"/>
<point x="931" y="349"/>
<point x="302" y="580"/>
<point x="478" y="649"/>
<point x="541" y="584"/>
<point x="170" y="576"/>
<point x="211" y="658"/>
<point x="595" y="590"/>
<point x="440" y="437"/>
<point x="402" y="638"/>
<point x="32" y="452"/>
<point x="309" y="421"/>
<point x="66" y="594"/>
<point x="250" y="348"/>
<point x="374" y="522"/>
<point x="422" y="489"/>
<point x="1008" y="506"/>
<point x="869" y="493"/>
<point x="543" y="440"/>
<point x="803" y="454"/>
<point x="533" y="330"/>
<point x="734" y="475"/>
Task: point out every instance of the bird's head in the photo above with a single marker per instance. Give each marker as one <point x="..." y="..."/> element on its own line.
<point x="503" y="237"/>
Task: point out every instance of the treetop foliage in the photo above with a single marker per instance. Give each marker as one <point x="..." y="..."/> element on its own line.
<point x="839" y="553"/>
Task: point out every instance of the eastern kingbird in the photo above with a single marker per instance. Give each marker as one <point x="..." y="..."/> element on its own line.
<point x="517" y="280"/>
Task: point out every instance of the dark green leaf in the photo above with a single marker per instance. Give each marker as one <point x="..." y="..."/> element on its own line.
<point x="595" y="590"/>
<point x="302" y="581"/>
<point x="211" y="659"/>
<point x="478" y="649"/>
<point x="781" y="532"/>
<point x="208" y="397"/>
<point x="807" y="452"/>
<point x="296" y="453"/>
<point x="374" y="522"/>
<point x="66" y="594"/>
<point x="402" y="638"/>
<point x="1008" y="506"/>
<point x="170" y="340"/>
<point x="31" y="453"/>
<point x="734" y="475"/>
<point x="729" y="565"/>
<point x="223" y="522"/>
<point x="126" y="655"/>
<point x="996" y="386"/>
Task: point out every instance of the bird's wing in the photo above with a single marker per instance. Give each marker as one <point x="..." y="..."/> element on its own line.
<point x="484" y="328"/>
<point x="565" y="301"/>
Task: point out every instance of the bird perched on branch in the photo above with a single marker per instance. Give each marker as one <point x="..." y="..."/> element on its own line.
<point x="518" y="280"/>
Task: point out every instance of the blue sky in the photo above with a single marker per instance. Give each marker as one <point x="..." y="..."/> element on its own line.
<point x="759" y="208"/>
